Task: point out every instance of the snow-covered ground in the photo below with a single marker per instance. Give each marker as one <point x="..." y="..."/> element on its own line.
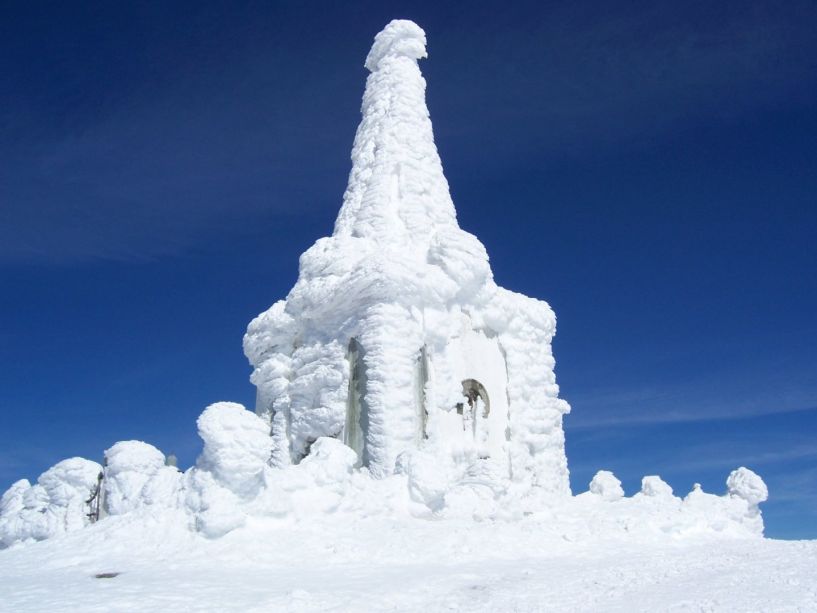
<point x="375" y="563"/>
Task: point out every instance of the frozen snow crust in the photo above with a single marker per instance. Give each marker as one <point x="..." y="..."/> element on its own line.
<point x="396" y="380"/>
<point x="341" y="562"/>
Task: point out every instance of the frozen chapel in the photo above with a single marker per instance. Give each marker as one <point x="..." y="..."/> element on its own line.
<point x="395" y="356"/>
<point x="395" y="336"/>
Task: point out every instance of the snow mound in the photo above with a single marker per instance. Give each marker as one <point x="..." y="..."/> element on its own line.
<point x="656" y="511"/>
<point x="401" y="38"/>
<point x="747" y="485"/>
<point x="136" y="475"/>
<point x="606" y="485"/>
<point x="56" y="504"/>
<point x="656" y="487"/>
<point x="231" y="469"/>
<point x="237" y="447"/>
<point x="233" y="484"/>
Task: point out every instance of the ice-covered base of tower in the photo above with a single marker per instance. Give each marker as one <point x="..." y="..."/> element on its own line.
<point x="232" y="483"/>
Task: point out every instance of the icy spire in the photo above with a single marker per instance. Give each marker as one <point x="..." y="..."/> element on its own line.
<point x="397" y="191"/>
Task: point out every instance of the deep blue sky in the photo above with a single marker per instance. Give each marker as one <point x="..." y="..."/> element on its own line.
<point x="650" y="170"/>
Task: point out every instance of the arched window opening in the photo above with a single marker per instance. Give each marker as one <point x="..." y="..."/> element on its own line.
<point x="475" y="415"/>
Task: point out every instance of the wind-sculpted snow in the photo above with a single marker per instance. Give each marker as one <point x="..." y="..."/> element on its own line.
<point x="655" y="486"/>
<point x="56" y="504"/>
<point x="237" y="447"/>
<point x="606" y="485"/>
<point x="655" y="510"/>
<point x="135" y="476"/>
<point x="748" y="485"/>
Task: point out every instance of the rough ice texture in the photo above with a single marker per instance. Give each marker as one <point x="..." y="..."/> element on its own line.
<point x="654" y="485"/>
<point x="747" y="485"/>
<point x="56" y="504"/>
<point x="237" y="447"/>
<point x="404" y="297"/>
<point x="135" y="476"/>
<point x="606" y="485"/>
<point x="655" y="510"/>
<point x="231" y="469"/>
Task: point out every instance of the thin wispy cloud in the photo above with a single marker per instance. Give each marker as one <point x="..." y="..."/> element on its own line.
<point x="651" y="414"/>
<point x="798" y="486"/>
<point x="709" y="396"/>
<point x="722" y="455"/>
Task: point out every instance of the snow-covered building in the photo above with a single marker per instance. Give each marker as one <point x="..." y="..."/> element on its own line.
<point x="395" y="337"/>
<point x="395" y="355"/>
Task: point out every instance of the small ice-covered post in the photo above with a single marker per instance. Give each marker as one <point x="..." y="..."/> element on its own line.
<point x="655" y="487"/>
<point x="746" y="484"/>
<point x="747" y="488"/>
<point x="606" y="485"/>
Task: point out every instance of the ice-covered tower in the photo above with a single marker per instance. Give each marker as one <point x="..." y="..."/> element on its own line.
<point x="395" y="336"/>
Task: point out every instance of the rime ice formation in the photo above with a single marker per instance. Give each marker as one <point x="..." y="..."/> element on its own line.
<point x="395" y="337"/>
<point x="396" y="379"/>
<point x="655" y="486"/>
<point x="135" y="475"/>
<point x="606" y="485"/>
<point x="237" y="447"/>
<point x="54" y="505"/>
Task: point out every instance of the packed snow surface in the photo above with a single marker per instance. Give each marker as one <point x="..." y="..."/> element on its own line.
<point x="340" y="562"/>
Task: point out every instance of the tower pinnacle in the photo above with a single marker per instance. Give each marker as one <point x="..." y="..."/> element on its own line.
<point x="397" y="193"/>
<point x="400" y="38"/>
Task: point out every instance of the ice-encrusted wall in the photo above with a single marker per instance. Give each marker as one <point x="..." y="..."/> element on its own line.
<point x="404" y="298"/>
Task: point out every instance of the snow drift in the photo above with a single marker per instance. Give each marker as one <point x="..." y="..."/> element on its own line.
<point x="56" y="504"/>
